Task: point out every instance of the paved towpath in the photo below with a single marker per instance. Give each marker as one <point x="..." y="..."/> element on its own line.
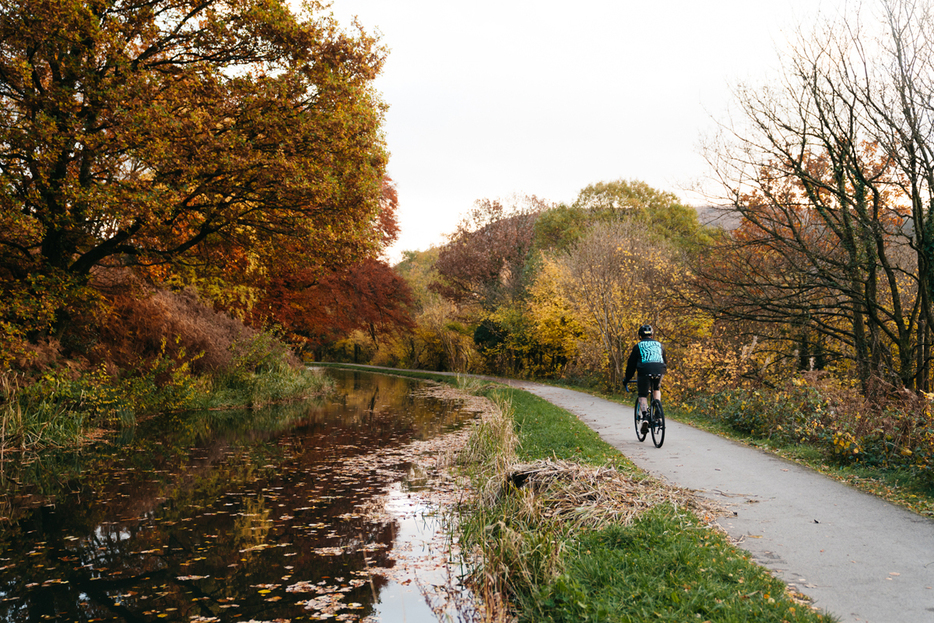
<point x="856" y="556"/>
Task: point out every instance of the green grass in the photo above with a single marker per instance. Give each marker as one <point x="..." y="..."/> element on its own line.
<point x="546" y="431"/>
<point x="266" y="386"/>
<point x="666" y="566"/>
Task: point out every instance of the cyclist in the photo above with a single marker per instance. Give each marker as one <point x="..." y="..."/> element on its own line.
<point x="648" y="357"/>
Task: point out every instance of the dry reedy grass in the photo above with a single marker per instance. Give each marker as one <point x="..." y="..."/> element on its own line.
<point x="491" y="449"/>
<point x="142" y="323"/>
<point x="587" y="497"/>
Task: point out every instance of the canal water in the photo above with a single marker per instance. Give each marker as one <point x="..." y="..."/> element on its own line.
<point x="302" y="512"/>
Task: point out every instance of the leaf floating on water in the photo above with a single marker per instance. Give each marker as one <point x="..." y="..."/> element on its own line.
<point x="325" y="604"/>
<point x="301" y="587"/>
<point x="328" y="551"/>
<point x="189" y="578"/>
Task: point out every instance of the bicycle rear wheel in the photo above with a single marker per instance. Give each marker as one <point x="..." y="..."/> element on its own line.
<point x="638" y="419"/>
<point x="658" y="423"/>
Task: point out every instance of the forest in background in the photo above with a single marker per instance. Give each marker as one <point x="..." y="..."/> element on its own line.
<point x="809" y="320"/>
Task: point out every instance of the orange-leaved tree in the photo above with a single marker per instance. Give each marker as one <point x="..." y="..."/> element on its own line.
<point x="320" y="299"/>
<point x="142" y="133"/>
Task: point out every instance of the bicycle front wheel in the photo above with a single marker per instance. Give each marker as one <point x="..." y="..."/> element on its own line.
<point x="658" y="424"/>
<point x="637" y="416"/>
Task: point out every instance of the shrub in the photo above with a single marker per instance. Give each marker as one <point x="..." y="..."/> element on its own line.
<point x="894" y="429"/>
<point x="147" y="323"/>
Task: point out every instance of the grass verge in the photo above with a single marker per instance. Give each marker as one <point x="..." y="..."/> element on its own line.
<point x="62" y="409"/>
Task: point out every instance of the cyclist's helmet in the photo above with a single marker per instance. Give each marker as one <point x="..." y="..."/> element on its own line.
<point x="645" y="331"/>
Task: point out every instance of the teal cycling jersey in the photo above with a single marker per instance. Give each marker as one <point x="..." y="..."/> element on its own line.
<point x="650" y="351"/>
<point x="648" y="357"/>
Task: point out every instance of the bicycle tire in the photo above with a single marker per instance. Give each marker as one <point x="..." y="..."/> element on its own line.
<point x="638" y="420"/>
<point x="658" y="423"/>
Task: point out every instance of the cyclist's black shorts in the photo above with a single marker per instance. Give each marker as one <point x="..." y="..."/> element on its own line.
<point x="649" y="376"/>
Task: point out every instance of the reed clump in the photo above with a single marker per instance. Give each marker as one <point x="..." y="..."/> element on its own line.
<point x="586" y="497"/>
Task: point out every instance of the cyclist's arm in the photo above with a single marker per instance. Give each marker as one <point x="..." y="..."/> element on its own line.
<point x="632" y="363"/>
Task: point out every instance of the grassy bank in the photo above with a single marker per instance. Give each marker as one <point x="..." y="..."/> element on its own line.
<point x="625" y="548"/>
<point x="63" y="409"/>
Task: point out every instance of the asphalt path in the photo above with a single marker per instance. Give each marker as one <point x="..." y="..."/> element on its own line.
<point x="856" y="556"/>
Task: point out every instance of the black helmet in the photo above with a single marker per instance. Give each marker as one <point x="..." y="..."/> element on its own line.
<point x="645" y="331"/>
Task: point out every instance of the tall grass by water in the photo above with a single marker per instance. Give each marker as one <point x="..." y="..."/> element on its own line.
<point x="63" y="408"/>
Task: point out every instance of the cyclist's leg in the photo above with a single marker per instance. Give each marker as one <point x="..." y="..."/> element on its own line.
<point x="657" y="387"/>
<point x="643" y="384"/>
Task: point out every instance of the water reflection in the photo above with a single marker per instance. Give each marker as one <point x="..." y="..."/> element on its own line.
<point x="213" y="519"/>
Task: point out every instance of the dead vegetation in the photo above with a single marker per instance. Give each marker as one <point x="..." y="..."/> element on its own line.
<point x="588" y="498"/>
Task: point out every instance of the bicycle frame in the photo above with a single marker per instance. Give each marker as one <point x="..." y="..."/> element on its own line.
<point x="655" y="418"/>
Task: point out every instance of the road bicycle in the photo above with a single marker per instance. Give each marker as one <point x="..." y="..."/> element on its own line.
<point x="655" y="417"/>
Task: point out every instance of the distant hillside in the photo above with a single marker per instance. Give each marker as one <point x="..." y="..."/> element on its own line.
<point x="717" y="216"/>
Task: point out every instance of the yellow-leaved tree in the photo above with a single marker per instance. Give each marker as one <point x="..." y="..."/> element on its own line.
<point x="615" y="279"/>
<point x="558" y="329"/>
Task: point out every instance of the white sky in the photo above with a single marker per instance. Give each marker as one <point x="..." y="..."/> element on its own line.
<point x="499" y="97"/>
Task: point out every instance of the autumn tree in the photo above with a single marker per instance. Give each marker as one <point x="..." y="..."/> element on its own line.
<point x="439" y="339"/>
<point x="484" y="260"/>
<point x="833" y="179"/>
<point x="660" y="212"/>
<point x="367" y="296"/>
<point x="559" y="330"/>
<point x="614" y="280"/>
<point x="484" y="269"/>
<point x="150" y="133"/>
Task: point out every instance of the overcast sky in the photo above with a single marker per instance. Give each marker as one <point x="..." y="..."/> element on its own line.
<point x="499" y="97"/>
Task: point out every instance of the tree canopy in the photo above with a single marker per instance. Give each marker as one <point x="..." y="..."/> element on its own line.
<point x="661" y="213"/>
<point x="151" y="132"/>
<point x="140" y="130"/>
